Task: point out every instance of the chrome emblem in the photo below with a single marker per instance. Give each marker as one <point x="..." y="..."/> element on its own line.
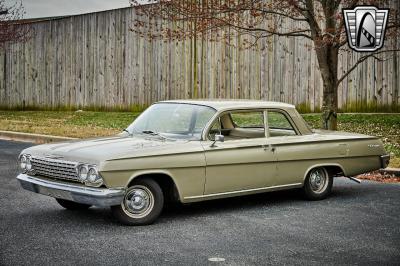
<point x="55" y="157"/>
<point x="365" y="27"/>
<point x="374" y="145"/>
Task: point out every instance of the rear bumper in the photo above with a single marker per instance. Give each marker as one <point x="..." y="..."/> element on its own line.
<point x="385" y="159"/>
<point x="86" y="195"/>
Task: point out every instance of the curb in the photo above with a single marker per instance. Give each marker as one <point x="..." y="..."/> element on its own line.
<point x="30" y="137"/>
<point x="390" y="171"/>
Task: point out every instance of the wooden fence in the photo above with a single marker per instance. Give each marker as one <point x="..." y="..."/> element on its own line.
<point x="96" y="60"/>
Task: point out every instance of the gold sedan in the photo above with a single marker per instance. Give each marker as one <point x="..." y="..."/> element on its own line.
<point x="191" y="151"/>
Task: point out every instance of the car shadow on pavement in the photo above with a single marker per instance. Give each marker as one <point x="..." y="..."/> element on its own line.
<point x="172" y="211"/>
<point x="178" y="211"/>
<point x="89" y="217"/>
<point x="272" y="200"/>
<point x="234" y="204"/>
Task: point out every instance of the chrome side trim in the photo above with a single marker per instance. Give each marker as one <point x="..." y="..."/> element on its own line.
<point x="77" y="193"/>
<point x="253" y="190"/>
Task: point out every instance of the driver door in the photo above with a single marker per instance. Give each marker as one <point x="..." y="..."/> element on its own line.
<point x="243" y="161"/>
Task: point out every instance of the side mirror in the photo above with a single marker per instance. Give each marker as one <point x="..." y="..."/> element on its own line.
<point x="219" y="138"/>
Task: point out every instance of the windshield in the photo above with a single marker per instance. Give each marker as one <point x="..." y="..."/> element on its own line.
<point x="173" y="120"/>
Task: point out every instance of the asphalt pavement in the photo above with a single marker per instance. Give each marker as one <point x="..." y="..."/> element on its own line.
<point x="358" y="224"/>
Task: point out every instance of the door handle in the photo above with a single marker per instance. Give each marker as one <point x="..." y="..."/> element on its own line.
<point x="267" y="147"/>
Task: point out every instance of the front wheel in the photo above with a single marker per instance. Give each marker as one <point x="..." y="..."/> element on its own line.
<point x="318" y="184"/>
<point x="142" y="204"/>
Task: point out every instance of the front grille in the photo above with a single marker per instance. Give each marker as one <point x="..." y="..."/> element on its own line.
<point x="54" y="168"/>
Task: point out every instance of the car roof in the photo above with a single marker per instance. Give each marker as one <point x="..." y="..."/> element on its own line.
<point x="220" y="105"/>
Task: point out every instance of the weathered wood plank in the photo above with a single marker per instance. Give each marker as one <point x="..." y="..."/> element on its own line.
<point x="95" y="60"/>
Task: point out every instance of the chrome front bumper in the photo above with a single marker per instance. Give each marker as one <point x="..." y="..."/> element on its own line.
<point x="86" y="195"/>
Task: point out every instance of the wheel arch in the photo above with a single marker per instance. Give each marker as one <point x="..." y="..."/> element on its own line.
<point x="332" y="168"/>
<point x="164" y="180"/>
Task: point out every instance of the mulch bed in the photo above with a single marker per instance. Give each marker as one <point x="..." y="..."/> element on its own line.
<point x="380" y="176"/>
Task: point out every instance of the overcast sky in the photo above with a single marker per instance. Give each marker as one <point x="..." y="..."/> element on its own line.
<point x="50" y="8"/>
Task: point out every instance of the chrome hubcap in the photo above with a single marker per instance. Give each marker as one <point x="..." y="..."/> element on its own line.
<point x="318" y="180"/>
<point x="138" y="201"/>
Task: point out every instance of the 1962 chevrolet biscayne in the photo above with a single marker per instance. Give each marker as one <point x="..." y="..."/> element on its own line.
<point x="197" y="150"/>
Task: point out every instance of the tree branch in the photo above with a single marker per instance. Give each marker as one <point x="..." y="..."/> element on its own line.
<point x="298" y="33"/>
<point x="282" y="14"/>
<point x="362" y="59"/>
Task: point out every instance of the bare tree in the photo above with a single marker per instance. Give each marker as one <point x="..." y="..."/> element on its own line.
<point x="11" y="29"/>
<point x="320" y="21"/>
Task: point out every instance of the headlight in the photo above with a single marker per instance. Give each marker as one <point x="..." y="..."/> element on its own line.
<point x="89" y="175"/>
<point x="94" y="178"/>
<point x="22" y="162"/>
<point x="28" y="166"/>
<point x="92" y="175"/>
<point x="25" y="162"/>
<point x="83" y="172"/>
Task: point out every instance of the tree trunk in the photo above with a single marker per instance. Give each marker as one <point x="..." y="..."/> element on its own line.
<point x="329" y="107"/>
<point x="327" y="52"/>
<point x="328" y="63"/>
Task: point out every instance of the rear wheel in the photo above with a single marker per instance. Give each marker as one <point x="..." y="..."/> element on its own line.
<point x="70" y="205"/>
<point x="318" y="184"/>
<point x="142" y="204"/>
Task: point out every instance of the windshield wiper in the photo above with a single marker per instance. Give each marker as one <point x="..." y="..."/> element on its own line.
<point x="150" y="132"/>
<point x="127" y="131"/>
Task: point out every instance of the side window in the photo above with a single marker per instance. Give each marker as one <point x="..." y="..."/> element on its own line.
<point x="248" y="119"/>
<point x="279" y="125"/>
<point x="238" y="125"/>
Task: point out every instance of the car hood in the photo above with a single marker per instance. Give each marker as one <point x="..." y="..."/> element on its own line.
<point x="109" y="148"/>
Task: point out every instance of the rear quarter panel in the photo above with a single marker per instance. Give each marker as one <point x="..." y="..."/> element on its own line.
<point x="297" y="155"/>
